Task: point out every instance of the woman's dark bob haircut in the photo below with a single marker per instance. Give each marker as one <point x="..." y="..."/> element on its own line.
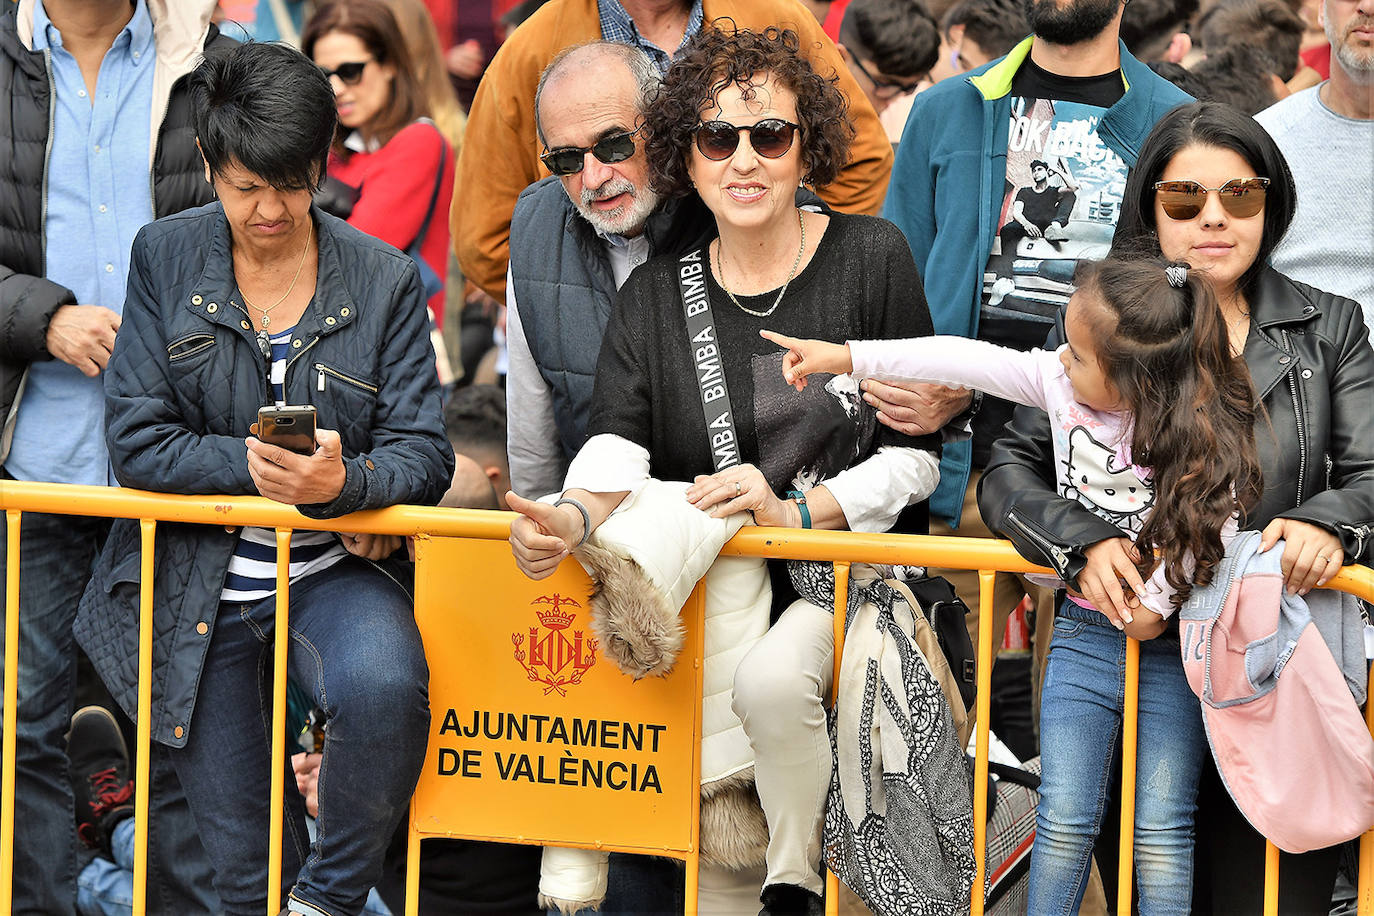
<point x="1218" y="125"/>
<point x="266" y="108"/>
<point x="718" y="57"/>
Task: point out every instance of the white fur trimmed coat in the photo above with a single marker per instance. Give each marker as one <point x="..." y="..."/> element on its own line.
<point x="644" y="562"/>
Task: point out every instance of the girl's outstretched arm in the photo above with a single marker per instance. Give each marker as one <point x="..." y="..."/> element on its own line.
<point x="804" y="357"/>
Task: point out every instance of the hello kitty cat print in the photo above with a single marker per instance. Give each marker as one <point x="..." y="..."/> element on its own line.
<point x="1096" y="476"/>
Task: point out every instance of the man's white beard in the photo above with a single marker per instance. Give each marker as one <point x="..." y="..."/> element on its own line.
<point x="628" y="218"/>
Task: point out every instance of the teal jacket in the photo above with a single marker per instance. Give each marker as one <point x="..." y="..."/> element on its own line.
<point x="948" y="183"/>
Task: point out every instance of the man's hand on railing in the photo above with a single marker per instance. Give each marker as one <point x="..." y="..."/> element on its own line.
<point x="298" y="480"/>
<point x="543" y="535"/>
<point x="371" y="546"/>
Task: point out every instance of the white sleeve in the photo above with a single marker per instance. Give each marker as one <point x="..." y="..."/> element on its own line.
<point x="1159" y="594"/>
<point x="608" y="463"/>
<point x="532" y="444"/>
<point x="874" y="492"/>
<point x="949" y="360"/>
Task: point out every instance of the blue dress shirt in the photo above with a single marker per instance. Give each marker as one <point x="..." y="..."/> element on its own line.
<point x="99" y="194"/>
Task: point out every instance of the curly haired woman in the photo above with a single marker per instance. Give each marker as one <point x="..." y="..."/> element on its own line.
<point x="743" y="121"/>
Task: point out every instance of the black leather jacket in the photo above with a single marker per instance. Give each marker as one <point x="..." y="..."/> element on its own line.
<point x="1312" y="364"/>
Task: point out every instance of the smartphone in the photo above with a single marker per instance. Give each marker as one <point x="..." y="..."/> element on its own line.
<point x="291" y="428"/>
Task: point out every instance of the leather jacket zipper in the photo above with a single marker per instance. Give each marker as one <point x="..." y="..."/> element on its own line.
<point x="1360" y="533"/>
<point x="1058" y="557"/>
<point x="1297" y="414"/>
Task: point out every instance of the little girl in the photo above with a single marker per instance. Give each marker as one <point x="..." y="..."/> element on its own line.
<point x="1153" y="422"/>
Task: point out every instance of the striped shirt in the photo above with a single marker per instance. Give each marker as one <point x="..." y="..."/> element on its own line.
<point x="252" y="573"/>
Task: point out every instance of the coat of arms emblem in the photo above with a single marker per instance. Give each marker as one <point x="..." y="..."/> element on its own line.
<point x="552" y="658"/>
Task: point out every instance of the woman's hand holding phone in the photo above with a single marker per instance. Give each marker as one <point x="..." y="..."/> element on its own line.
<point x="297" y="480"/>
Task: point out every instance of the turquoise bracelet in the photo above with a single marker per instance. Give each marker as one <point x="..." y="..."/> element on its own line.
<point x="800" y="498"/>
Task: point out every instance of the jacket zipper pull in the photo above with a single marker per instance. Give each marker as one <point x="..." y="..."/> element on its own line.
<point x="319" y="386"/>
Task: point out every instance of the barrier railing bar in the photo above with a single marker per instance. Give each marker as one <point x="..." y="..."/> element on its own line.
<point x="1365" y="893"/>
<point x="984" y="554"/>
<point x="412" y="865"/>
<point x="1271" y="879"/>
<point x="147" y="530"/>
<point x="986" y="580"/>
<point x="841" y="612"/>
<point x="692" y="862"/>
<point x="1130" y="709"/>
<point x="281" y="643"/>
<point x="10" y="741"/>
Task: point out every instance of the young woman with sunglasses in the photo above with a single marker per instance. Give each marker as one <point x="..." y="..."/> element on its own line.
<point x="1212" y="188"/>
<point x="390" y="169"/>
<point x="743" y="121"/>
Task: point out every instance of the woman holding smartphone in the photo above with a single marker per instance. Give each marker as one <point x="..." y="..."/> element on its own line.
<point x="262" y="303"/>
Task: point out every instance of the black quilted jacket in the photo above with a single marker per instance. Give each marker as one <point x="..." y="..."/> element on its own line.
<point x="27" y="299"/>
<point x="183" y="385"/>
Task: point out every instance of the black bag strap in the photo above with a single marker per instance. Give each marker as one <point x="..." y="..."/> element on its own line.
<point x="704" y="348"/>
<point x="438" y="186"/>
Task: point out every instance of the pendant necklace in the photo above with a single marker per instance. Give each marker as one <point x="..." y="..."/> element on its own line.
<point x="720" y="271"/>
<point x="264" y="335"/>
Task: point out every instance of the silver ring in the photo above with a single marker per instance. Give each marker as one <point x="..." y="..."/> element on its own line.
<point x="1324" y="559"/>
<point x="738" y="489"/>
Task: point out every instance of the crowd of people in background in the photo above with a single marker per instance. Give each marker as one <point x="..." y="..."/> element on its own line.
<point x="499" y="244"/>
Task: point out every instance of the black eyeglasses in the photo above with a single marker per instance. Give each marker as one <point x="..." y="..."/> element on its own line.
<point x="885" y="89"/>
<point x="771" y="138"/>
<point x="349" y="73"/>
<point x="1185" y="199"/>
<point x="569" y="160"/>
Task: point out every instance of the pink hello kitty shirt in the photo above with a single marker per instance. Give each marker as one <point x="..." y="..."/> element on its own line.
<point x="1091" y="447"/>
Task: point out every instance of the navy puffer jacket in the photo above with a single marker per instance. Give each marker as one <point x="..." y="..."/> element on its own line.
<point x="184" y="383"/>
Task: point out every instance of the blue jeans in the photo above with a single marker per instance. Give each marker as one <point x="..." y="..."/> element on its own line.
<point x="356" y="651"/>
<point x="1080" y="723"/>
<point x="56" y="553"/>
<point x="105" y="887"/>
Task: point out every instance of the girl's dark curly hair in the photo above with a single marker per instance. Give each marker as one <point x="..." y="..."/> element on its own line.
<point x="1167" y="351"/>
<point x="717" y="57"/>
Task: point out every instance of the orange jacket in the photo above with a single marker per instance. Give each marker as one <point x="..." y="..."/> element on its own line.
<point x="500" y="156"/>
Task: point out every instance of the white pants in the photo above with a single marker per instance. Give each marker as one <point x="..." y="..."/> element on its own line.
<point x="781" y="690"/>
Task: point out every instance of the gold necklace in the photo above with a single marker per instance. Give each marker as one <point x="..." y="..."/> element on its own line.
<point x="720" y="271"/>
<point x="266" y="320"/>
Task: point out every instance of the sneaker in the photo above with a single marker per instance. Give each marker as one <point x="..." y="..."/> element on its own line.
<point x="101" y="778"/>
<point x="790" y="900"/>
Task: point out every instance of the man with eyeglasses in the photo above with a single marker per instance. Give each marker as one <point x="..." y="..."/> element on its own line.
<point x="96" y="140"/>
<point x="575" y="237"/>
<point x="500" y="155"/>
<point x="1327" y="135"/>
<point x="1070" y="94"/>
<point x="890" y="46"/>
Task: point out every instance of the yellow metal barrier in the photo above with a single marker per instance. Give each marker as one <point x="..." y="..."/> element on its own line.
<point x="986" y="556"/>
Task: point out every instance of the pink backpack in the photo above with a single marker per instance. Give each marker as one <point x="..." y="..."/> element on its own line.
<point x="1285" y="730"/>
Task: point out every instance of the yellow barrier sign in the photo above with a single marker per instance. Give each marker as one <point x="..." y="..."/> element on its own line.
<point x="534" y="733"/>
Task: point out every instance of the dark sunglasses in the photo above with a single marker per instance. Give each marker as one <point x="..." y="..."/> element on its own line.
<point x="348" y="73"/>
<point x="1184" y="200"/>
<point x="886" y="89"/>
<point x="771" y="138"/>
<point x="568" y="160"/>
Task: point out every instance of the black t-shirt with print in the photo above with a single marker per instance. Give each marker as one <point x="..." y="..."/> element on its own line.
<point x="1027" y="281"/>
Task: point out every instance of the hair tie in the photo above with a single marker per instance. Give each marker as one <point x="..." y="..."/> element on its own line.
<point x="1178" y="276"/>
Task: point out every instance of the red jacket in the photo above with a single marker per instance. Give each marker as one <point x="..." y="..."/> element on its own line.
<point x="396" y="183"/>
